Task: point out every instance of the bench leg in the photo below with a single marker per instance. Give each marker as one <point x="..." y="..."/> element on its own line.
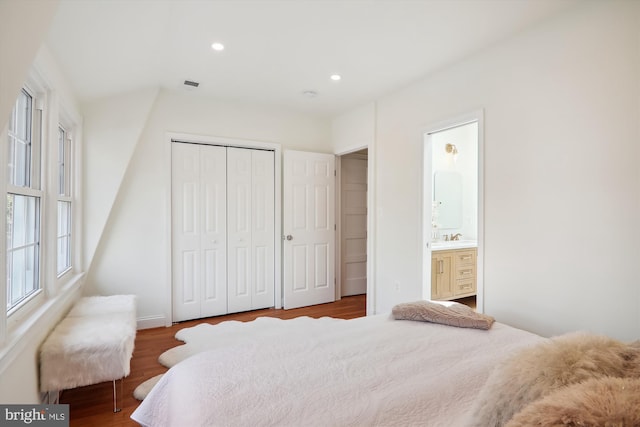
<point x="115" y="396"/>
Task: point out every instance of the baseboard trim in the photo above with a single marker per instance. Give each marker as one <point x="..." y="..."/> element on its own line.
<point x="149" y="322"/>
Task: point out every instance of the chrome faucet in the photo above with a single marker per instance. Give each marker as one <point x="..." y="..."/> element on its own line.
<point x="455" y="236"/>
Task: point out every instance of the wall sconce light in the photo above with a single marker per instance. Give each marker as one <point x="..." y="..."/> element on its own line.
<point x="452" y="149"/>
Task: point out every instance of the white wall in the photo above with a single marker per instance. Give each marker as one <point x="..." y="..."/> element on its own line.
<point x="354" y="130"/>
<point x="562" y="186"/>
<point x="113" y="127"/>
<point x="131" y="256"/>
<point x="18" y="47"/>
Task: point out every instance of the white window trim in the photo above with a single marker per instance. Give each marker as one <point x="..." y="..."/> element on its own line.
<point x="72" y="125"/>
<point x="69" y="181"/>
<point x="44" y="304"/>
<point x="36" y="89"/>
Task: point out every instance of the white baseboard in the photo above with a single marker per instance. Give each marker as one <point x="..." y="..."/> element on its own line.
<point x="149" y="322"/>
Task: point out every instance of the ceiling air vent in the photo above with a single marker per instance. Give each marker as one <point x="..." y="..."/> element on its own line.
<point x="190" y="83"/>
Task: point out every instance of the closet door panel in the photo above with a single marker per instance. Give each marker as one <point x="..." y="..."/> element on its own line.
<point x="223" y="221"/>
<point x="186" y="227"/>
<point x="239" y="244"/>
<point x="213" y="238"/>
<point x="263" y="228"/>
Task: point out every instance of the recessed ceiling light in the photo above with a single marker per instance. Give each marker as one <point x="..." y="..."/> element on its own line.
<point x="335" y="77"/>
<point x="217" y="46"/>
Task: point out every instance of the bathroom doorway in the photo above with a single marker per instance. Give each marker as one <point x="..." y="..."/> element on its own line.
<point x="453" y="231"/>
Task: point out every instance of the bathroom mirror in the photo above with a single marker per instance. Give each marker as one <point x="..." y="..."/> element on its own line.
<point x="447" y="193"/>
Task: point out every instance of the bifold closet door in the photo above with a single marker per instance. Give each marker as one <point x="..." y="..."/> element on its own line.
<point x="251" y="229"/>
<point x="199" y="236"/>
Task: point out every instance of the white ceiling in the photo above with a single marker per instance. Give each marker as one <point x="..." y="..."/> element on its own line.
<point x="277" y="49"/>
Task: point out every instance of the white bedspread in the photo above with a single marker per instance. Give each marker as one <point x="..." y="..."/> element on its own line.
<point x="361" y="372"/>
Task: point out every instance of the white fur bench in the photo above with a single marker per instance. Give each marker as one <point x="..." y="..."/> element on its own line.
<point x="92" y="344"/>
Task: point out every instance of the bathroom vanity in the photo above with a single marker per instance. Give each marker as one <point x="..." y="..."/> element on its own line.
<point x="453" y="269"/>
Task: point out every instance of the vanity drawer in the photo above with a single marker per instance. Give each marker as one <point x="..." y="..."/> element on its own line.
<point x="465" y="286"/>
<point x="465" y="272"/>
<point x="464" y="258"/>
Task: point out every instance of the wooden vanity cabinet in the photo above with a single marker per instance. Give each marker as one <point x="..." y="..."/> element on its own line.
<point x="442" y="274"/>
<point x="453" y="273"/>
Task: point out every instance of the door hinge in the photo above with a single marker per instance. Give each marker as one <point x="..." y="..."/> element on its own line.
<point x="334" y="173"/>
<point x="335" y="227"/>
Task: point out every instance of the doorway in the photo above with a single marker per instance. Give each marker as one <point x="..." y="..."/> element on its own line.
<point x="452" y="207"/>
<point x="352" y="236"/>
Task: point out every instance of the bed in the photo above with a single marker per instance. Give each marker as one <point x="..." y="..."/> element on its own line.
<point x="367" y="371"/>
<point x="381" y="371"/>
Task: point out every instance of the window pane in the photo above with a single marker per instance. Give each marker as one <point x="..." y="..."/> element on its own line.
<point x="19" y="142"/>
<point x="22" y="220"/>
<point x="11" y="155"/>
<point x="23" y="243"/>
<point x="61" y="160"/>
<point x="23" y="111"/>
<point x="16" y="276"/>
<point x="64" y="236"/>
<point x="61" y="219"/>
<point x="17" y="222"/>
<point x="31" y="269"/>
<point x="64" y="261"/>
<point x="21" y="152"/>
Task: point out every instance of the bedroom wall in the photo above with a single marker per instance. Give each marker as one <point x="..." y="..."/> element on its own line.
<point x="354" y="129"/>
<point x="113" y="125"/>
<point x="131" y="256"/>
<point x="562" y="186"/>
<point x="15" y="58"/>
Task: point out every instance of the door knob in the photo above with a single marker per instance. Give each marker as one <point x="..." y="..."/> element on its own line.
<point x="289" y="237"/>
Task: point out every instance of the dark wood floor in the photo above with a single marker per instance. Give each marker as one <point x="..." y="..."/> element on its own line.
<point x="93" y="405"/>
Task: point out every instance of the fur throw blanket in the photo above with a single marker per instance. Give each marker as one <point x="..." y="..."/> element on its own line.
<point x="608" y="401"/>
<point x="539" y="371"/>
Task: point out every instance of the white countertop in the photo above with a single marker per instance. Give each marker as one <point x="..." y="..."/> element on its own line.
<point x="442" y="245"/>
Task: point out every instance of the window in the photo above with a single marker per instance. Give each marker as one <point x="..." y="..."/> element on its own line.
<point x="23" y="202"/>
<point x="64" y="202"/>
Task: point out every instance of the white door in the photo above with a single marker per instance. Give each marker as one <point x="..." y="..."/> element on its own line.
<point x="354" y="225"/>
<point x="239" y="229"/>
<point x="251" y="228"/>
<point x="198" y="205"/>
<point x="263" y="228"/>
<point x="309" y="228"/>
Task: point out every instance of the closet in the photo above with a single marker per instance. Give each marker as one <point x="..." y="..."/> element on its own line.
<point x="223" y="229"/>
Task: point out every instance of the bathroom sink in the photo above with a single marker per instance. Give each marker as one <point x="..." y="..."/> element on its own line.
<point x="453" y="244"/>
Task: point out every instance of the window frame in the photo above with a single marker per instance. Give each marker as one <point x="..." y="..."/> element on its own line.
<point x="34" y="188"/>
<point x="66" y="196"/>
<point x="56" y="105"/>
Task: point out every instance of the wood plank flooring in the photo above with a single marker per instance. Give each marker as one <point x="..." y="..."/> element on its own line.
<point x="93" y="405"/>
